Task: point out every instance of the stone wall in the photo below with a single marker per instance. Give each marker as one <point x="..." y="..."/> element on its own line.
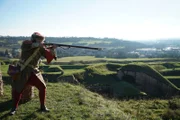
<point x="149" y="84"/>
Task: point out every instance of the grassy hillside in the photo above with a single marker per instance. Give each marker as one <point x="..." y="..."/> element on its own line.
<point x="66" y="102"/>
<point x="102" y="77"/>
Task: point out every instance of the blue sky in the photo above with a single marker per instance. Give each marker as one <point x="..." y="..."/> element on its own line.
<point x="123" y="19"/>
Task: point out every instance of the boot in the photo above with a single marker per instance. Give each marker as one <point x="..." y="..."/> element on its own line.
<point x="44" y="108"/>
<point x="13" y="111"/>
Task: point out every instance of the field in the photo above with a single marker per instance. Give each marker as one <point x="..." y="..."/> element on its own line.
<point x="92" y="58"/>
<point x="81" y="101"/>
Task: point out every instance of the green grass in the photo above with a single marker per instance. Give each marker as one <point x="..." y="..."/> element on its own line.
<point x="4" y="69"/>
<point x="172" y="77"/>
<point x="100" y="60"/>
<point x="53" y="68"/>
<point x="100" y="69"/>
<point x="67" y="69"/>
<point x="170" y="69"/>
<point x="158" y="67"/>
<point x="101" y="74"/>
<point x="67" y="101"/>
<point x="122" y="88"/>
<point x="77" y="58"/>
<point x="144" y="109"/>
<point x="72" y="72"/>
<point x="73" y="66"/>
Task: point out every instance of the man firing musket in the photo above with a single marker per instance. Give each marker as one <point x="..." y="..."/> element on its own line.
<point x="28" y="71"/>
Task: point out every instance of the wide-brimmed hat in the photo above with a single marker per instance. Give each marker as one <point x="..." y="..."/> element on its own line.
<point x="37" y="35"/>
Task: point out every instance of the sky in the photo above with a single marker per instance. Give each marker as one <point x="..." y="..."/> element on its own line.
<point x="121" y="19"/>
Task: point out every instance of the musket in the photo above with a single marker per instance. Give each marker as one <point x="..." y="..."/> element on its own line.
<point x="72" y="46"/>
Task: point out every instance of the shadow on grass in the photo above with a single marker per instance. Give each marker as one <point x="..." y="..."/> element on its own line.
<point x="4" y="116"/>
<point x="4" y="106"/>
<point x="30" y="116"/>
<point x="33" y="115"/>
<point x="7" y="105"/>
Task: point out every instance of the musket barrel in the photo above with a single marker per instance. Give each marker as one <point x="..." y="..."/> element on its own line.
<point x="75" y="46"/>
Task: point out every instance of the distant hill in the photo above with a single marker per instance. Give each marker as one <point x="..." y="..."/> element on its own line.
<point x="162" y="42"/>
<point x="115" y="48"/>
<point x="112" y="47"/>
<point x="98" y="42"/>
<point x="87" y="41"/>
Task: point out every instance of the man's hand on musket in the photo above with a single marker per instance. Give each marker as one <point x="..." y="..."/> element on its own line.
<point x="54" y="46"/>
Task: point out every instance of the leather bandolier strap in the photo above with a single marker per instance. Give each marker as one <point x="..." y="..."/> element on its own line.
<point x="26" y="63"/>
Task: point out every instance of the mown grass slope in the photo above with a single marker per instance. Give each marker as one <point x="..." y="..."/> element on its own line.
<point x="93" y="59"/>
<point x="103" y="78"/>
<point x="74" y="102"/>
<point x="66" y="102"/>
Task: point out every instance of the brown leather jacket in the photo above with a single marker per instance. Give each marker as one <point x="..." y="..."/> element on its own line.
<point x="32" y="67"/>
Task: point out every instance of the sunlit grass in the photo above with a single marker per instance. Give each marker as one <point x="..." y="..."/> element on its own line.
<point x="171" y="77"/>
<point x="4" y="69"/>
<point x="65" y="101"/>
<point x="93" y="58"/>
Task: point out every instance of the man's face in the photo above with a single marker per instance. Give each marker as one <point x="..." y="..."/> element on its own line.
<point x="39" y="40"/>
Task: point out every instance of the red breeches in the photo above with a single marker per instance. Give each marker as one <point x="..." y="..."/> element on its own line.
<point x="33" y="81"/>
